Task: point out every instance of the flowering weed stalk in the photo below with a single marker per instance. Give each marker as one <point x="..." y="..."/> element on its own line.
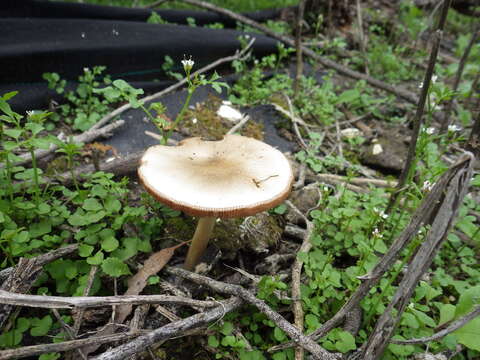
<point x="193" y="81"/>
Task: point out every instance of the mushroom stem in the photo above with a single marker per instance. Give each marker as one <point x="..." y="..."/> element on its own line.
<point x="199" y="242"/>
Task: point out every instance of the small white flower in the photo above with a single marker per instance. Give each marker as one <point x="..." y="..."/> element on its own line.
<point x="188" y="64"/>
<point x="115" y="32"/>
<point x="86" y="69"/>
<point x="376" y="233"/>
<point x="82" y="35"/>
<point x="30" y="112"/>
<point x="381" y="213"/>
<point x="454" y="128"/>
<point x="194" y="120"/>
<point x="434" y="78"/>
<point x="430" y="130"/>
<point x="427" y="186"/>
<point x="420" y="86"/>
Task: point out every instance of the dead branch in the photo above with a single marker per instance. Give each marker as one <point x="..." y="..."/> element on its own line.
<point x="421" y="216"/>
<point x="28" y="351"/>
<point x="307" y="343"/>
<point x="457" y="324"/>
<point x="238" y="125"/>
<point x="298" y="48"/>
<point x="171" y="330"/>
<point x="78" y="318"/>
<point x="60" y="302"/>
<point x="445" y="213"/>
<point x="238" y="55"/>
<point x="296" y="277"/>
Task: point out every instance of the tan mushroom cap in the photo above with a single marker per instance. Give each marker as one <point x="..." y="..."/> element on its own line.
<point x="234" y="177"/>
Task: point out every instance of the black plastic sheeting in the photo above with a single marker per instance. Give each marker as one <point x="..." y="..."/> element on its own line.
<point x="41" y="36"/>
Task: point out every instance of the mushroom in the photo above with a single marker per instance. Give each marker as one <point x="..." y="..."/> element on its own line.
<point x="234" y="177"/>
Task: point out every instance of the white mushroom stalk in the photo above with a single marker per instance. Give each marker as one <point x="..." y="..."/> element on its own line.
<point x="233" y="177"/>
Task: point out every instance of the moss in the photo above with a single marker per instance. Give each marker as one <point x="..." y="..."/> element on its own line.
<point x="210" y="126"/>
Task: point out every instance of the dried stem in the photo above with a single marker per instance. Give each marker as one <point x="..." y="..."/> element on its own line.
<point x="60" y="302"/>
<point x="298" y="48"/>
<point x="296" y="277"/>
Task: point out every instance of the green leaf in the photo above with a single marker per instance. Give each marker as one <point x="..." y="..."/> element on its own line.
<point x="49" y="356"/>
<point x="112" y="204"/>
<point x="109" y="244"/>
<point x="23" y="324"/>
<point x="346" y="342"/>
<point x="348" y="96"/>
<point x="467" y="300"/>
<point x="92" y="204"/>
<point x="469" y="334"/>
<point x="115" y="267"/>
<point x="39" y="229"/>
<point x="41" y="327"/>
<point x="152" y="280"/>
<point x="279" y="334"/>
<point x="227" y="328"/>
<point x="10" y="339"/>
<point x="229" y="340"/>
<point x="96" y="259"/>
<point x="447" y="313"/>
<point x="213" y="341"/>
<point x="13" y="133"/>
<point x="34" y="128"/>
<point x="476" y="181"/>
<point x="85" y="250"/>
<point x="71" y="270"/>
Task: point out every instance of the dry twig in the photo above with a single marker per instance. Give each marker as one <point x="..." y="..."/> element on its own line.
<point x="296" y="275"/>
<point x="60" y="302"/>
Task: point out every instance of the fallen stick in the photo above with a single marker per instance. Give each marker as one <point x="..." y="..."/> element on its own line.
<point x="358" y="181"/>
<point x="237" y="56"/>
<point x="28" y="351"/>
<point x="298" y="312"/>
<point x="402" y="93"/>
<point x="60" y="302"/>
<point x="302" y="340"/>
<point x="171" y="330"/>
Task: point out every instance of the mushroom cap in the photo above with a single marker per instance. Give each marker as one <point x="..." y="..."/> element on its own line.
<point x="234" y="177"/>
